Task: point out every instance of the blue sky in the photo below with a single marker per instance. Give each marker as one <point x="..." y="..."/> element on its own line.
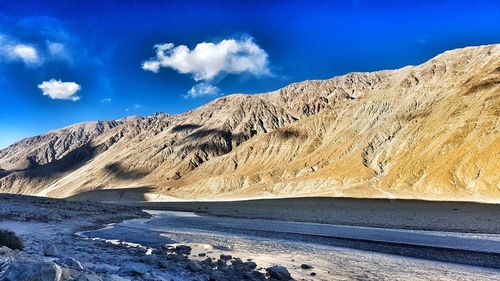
<point x="63" y="62"/>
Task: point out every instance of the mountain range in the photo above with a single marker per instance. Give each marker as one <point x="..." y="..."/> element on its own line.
<point x="430" y="131"/>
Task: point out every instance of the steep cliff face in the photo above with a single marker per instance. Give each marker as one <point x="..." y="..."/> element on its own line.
<point x="430" y="131"/>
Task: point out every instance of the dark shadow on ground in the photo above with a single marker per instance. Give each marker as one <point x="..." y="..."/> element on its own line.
<point x="113" y="195"/>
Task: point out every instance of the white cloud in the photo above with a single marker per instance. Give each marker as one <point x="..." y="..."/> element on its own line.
<point x="55" y="89"/>
<point x="106" y="100"/>
<point x="202" y="90"/>
<point x="208" y="60"/>
<point x="13" y="51"/>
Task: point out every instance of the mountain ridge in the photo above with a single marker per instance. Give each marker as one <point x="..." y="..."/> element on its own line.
<point x="362" y="134"/>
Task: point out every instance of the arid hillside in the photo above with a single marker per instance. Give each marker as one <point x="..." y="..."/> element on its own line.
<point x="430" y="131"/>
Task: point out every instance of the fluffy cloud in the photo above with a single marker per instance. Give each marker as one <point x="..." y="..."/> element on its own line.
<point x="202" y="90"/>
<point x="14" y="51"/>
<point x="208" y="60"/>
<point x="55" y="89"/>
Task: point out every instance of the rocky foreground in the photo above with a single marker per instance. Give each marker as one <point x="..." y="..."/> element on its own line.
<point x="54" y="251"/>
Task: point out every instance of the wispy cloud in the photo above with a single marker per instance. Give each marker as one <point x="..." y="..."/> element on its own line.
<point x="135" y="106"/>
<point x="106" y="100"/>
<point x="31" y="54"/>
<point x="56" y="89"/>
<point x="202" y="90"/>
<point x="12" y="51"/>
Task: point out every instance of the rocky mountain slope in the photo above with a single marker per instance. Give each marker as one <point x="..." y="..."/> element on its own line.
<point x="430" y="131"/>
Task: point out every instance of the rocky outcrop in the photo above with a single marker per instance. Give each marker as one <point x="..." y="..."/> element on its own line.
<point x="429" y="131"/>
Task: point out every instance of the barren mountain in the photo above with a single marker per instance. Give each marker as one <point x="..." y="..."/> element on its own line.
<point x="430" y="131"/>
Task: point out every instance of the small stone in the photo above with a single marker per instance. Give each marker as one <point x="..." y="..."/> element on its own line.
<point x="202" y="254"/>
<point x="279" y="273"/>
<point x="313" y="274"/>
<point x="51" y="251"/>
<point x="305" y="266"/>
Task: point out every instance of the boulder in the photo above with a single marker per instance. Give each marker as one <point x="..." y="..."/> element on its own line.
<point x="51" y="251"/>
<point x="225" y="257"/>
<point x="27" y="270"/>
<point x="279" y="273"/>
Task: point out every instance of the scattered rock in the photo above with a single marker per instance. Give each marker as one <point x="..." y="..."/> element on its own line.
<point x="216" y="276"/>
<point x="134" y="269"/>
<point x="202" y="254"/>
<point x="207" y="261"/>
<point x="175" y="257"/>
<point x="32" y="271"/>
<point x="5" y="251"/>
<point x="150" y="259"/>
<point x="74" y="264"/>
<point x="51" y="251"/>
<point x="305" y="266"/>
<point x="251" y="265"/>
<point x="195" y="266"/>
<point x="163" y="264"/>
<point x="115" y="277"/>
<point x="279" y="273"/>
<point x="65" y="273"/>
<point x="183" y="249"/>
<point x="88" y="277"/>
<point x="313" y="274"/>
<point x="225" y="257"/>
<point x="221" y="264"/>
